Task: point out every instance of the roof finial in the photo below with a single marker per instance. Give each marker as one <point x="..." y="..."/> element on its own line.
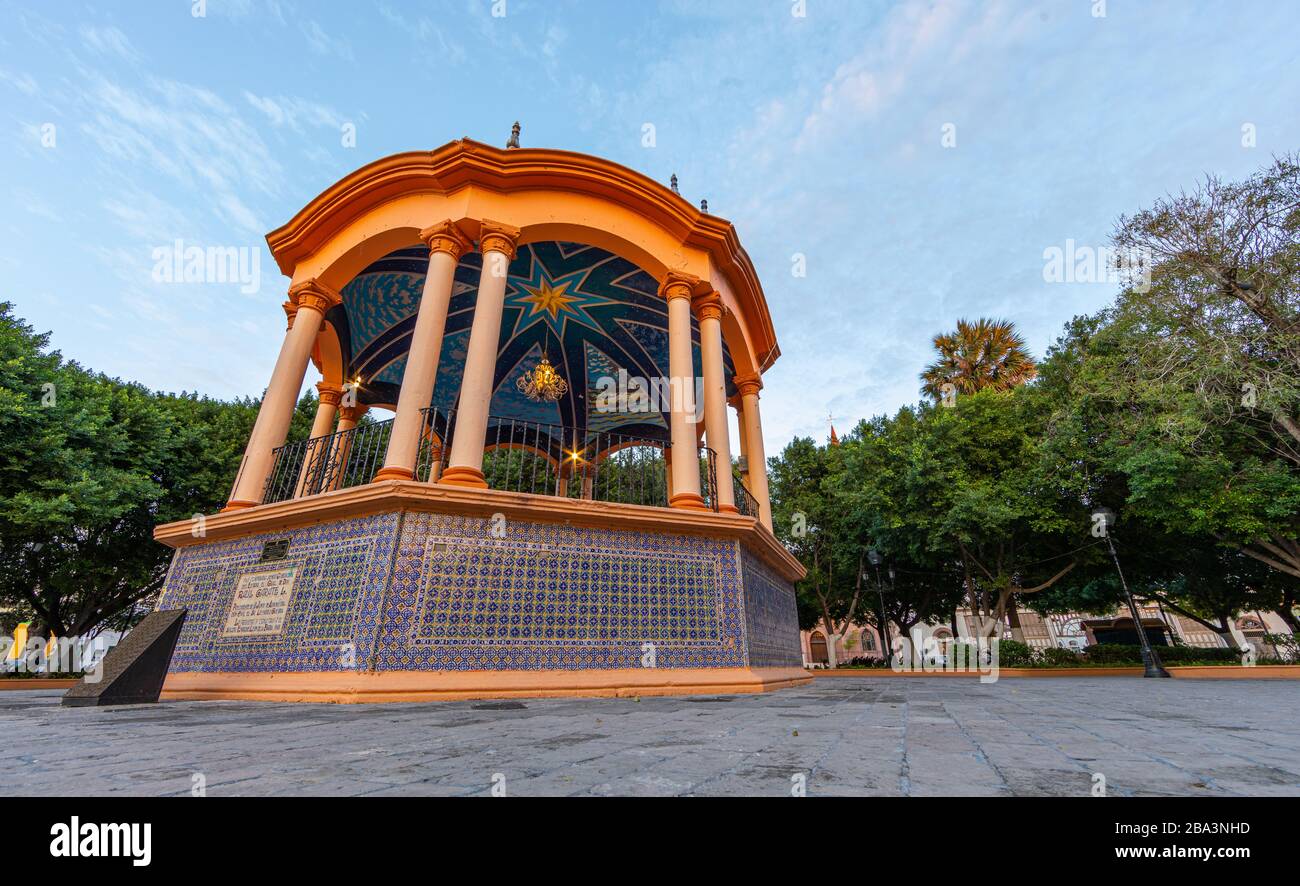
<point x="704" y="206"/>
<point x="673" y="183"/>
<point x="514" y="136"/>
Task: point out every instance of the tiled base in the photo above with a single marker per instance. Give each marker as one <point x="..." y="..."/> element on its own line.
<point x="354" y="688"/>
<point x="428" y="596"/>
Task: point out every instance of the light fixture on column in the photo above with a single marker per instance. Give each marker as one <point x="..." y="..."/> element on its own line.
<point x="543" y="383"/>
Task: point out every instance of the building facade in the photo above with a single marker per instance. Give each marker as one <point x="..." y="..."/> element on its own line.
<point x="1074" y="631"/>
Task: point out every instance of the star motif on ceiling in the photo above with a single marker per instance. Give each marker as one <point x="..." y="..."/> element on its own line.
<point x="551" y="299"/>
<point x="554" y="301"/>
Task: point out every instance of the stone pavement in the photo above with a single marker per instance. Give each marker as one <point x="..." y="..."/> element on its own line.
<point x="856" y="736"/>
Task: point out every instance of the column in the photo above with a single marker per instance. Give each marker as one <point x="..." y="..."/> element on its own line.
<point x="678" y="290"/>
<point x="708" y="310"/>
<point x="744" y="447"/>
<point x="349" y="416"/>
<point x="497" y="243"/>
<point x="446" y="244"/>
<point x="749" y="386"/>
<point x="322" y="426"/>
<point x="308" y="302"/>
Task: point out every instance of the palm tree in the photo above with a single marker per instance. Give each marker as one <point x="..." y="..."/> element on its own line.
<point x="979" y="355"/>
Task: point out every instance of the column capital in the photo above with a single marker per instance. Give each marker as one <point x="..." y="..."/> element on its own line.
<point x="498" y="237"/>
<point x="314" y="294"/>
<point x="329" y="392"/>
<point x="678" y="284"/>
<point x="749" y="384"/>
<point x="707" y="305"/>
<point x="290" y="312"/>
<point x="353" y="413"/>
<point x="446" y="237"/>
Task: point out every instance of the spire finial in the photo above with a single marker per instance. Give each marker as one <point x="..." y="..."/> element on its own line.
<point x="514" y="136"/>
<point x="673" y="183"/>
<point x="704" y="206"/>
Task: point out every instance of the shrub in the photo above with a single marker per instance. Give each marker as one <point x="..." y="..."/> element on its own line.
<point x="1014" y="654"/>
<point x="1056" y="657"/>
<point x="1114" y="653"/>
<point x="1119" y="654"/>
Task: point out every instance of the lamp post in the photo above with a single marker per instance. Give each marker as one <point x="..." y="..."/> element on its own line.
<point x="1150" y="660"/>
<point x="874" y="557"/>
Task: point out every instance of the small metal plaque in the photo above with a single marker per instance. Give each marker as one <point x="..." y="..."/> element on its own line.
<point x="275" y="550"/>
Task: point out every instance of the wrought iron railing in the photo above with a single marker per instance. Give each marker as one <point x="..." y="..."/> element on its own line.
<point x="519" y="456"/>
<point x="323" y="464"/>
<point x="745" y="501"/>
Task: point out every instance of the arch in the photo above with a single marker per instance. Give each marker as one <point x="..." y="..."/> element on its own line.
<point x="633" y="443"/>
<point x="817" y="653"/>
<point x="554" y="462"/>
<point x="328" y="355"/>
<point x="548" y="195"/>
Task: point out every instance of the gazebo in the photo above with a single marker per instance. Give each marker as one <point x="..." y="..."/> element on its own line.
<point x="555" y="506"/>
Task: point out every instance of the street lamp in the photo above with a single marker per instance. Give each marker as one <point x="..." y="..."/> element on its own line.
<point x="873" y="556"/>
<point x="1150" y="660"/>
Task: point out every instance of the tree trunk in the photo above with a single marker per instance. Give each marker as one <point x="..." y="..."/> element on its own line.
<point x="1013" y="617"/>
<point x="1285" y="613"/>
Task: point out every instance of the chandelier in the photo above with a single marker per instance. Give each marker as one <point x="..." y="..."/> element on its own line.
<point x="543" y="383"/>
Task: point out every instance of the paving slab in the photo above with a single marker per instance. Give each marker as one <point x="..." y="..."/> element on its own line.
<point x="849" y="736"/>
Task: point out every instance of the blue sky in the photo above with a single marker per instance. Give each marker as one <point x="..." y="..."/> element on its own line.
<point x="818" y="134"/>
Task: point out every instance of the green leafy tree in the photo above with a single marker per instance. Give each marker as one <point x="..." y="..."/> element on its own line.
<point x="91" y="466"/>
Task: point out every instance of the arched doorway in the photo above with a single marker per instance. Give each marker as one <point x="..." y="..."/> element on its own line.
<point x="817" y="649"/>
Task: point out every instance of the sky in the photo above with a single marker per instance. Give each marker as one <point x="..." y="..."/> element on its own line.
<point x="921" y="156"/>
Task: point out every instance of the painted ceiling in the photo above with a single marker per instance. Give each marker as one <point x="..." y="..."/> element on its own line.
<point x="590" y="312"/>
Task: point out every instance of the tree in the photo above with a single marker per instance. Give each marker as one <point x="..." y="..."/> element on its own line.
<point x="986" y="354"/>
<point x="1218" y="326"/>
<point x="1225" y="277"/>
<point x="91" y="466"/>
<point x="976" y="492"/>
<point x="806" y="518"/>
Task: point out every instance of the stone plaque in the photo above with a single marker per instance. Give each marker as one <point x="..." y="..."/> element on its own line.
<point x="261" y="603"/>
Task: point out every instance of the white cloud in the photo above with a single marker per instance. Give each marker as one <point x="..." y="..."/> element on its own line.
<point x="108" y="41"/>
<point x="24" y="83"/>
<point x="323" y="44"/>
<point x="296" y="113"/>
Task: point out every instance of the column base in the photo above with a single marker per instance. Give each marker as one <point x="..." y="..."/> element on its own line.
<point x="690" y="500"/>
<point x="463" y="475"/>
<point x="238" y="505"/>
<point x="728" y="509"/>
<point x="393" y="472"/>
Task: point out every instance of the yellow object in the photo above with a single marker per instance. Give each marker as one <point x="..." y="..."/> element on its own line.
<point x="20" y="642"/>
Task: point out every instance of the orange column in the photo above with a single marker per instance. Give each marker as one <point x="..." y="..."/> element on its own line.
<point x="744" y="448"/>
<point x="348" y="418"/>
<point x="321" y="426"/>
<point x="755" y="458"/>
<point x="708" y="310"/>
<point x="308" y="302"/>
<point x="446" y="244"/>
<point x="497" y="243"/>
<point x="678" y="289"/>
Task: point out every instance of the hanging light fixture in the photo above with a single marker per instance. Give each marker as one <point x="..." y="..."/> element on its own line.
<point x="543" y="383"/>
